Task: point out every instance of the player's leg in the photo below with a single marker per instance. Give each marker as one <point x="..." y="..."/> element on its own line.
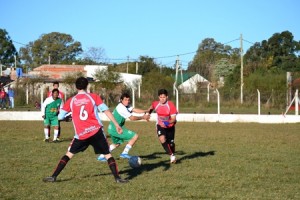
<point x="101" y="146"/>
<point x="170" y="135"/>
<point x="75" y="147"/>
<point x="55" y="126"/>
<point x="131" y="137"/>
<point x="112" y="146"/>
<point x="46" y="129"/>
<point x="59" y="131"/>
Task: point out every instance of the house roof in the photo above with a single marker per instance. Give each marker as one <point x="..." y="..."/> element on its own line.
<point x="185" y="76"/>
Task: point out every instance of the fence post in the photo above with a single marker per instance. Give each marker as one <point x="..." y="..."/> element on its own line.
<point x="258" y="101"/>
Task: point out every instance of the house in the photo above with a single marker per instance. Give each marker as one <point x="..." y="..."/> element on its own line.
<point x="188" y="82"/>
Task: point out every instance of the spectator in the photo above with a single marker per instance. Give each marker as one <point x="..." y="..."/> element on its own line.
<point x="2" y="98"/>
<point x="11" y="97"/>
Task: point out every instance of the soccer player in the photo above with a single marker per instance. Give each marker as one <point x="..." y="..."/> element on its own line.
<point x="165" y="124"/>
<point x="123" y="111"/>
<point x="61" y="95"/>
<point x="88" y="128"/>
<point x="50" y="110"/>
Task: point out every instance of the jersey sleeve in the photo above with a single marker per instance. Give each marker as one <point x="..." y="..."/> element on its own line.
<point x="173" y="110"/>
<point x="123" y="110"/>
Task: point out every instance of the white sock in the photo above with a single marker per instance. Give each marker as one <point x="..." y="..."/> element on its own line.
<point x="55" y="134"/>
<point x="127" y="148"/>
<point x="112" y="147"/>
<point x="46" y="130"/>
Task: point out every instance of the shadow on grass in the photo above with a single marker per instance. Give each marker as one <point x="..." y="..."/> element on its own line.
<point x="132" y="173"/>
<point x="146" y="167"/>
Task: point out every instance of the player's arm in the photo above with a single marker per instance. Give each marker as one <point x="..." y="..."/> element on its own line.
<point x="103" y="107"/>
<point x="135" y="118"/>
<point x="62" y="115"/>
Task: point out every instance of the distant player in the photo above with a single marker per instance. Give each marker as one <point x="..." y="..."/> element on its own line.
<point x="50" y="109"/>
<point x="165" y="124"/>
<point x="122" y="112"/>
<point x="61" y="95"/>
<point x="88" y="129"/>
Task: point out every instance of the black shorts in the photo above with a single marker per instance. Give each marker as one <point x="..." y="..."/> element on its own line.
<point x="98" y="141"/>
<point x="169" y="133"/>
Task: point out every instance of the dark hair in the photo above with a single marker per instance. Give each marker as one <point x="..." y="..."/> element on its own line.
<point x="162" y="91"/>
<point x="124" y="95"/>
<point x="55" y="83"/>
<point x="55" y="90"/>
<point x="81" y="83"/>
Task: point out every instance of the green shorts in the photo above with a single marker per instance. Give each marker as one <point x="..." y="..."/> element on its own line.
<point x="51" y="121"/>
<point x="120" y="138"/>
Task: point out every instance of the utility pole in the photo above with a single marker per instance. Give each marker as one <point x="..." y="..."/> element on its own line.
<point x="49" y="58"/>
<point x="127" y="64"/>
<point x="15" y="61"/>
<point x="242" y="68"/>
<point x="136" y="67"/>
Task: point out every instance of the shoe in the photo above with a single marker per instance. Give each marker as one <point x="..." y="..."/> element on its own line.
<point x="119" y="180"/>
<point x="125" y="155"/>
<point x="46" y="140"/>
<point x="101" y="158"/>
<point x="56" y="141"/>
<point x="49" y="179"/>
<point x="172" y="159"/>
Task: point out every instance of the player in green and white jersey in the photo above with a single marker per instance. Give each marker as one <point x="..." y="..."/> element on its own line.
<point x="50" y="109"/>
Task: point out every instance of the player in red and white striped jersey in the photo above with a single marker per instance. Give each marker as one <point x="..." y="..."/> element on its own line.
<point x="165" y="124"/>
<point x="88" y="128"/>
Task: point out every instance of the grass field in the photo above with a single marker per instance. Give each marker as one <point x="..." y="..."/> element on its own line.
<point x="215" y="161"/>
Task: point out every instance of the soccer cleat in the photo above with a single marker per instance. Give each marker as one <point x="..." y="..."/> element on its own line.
<point x="172" y="159"/>
<point x="101" y="158"/>
<point x="56" y="141"/>
<point x="49" y="179"/>
<point x="119" y="180"/>
<point x="125" y="155"/>
<point x="46" y="140"/>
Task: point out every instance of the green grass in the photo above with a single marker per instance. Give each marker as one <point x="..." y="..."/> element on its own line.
<point x="215" y="161"/>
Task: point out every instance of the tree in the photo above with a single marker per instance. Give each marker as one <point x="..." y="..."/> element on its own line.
<point x="106" y="81"/>
<point x="58" y="48"/>
<point x="97" y="55"/>
<point x="278" y="52"/>
<point x="208" y="54"/>
<point x="7" y="49"/>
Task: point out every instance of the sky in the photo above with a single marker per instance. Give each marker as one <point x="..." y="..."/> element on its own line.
<point x="162" y="29"/>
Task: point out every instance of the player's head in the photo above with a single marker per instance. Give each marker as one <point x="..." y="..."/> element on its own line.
<point x="81" y="83"/>
<point x="55" y="84"/>
<point x="55" y="93"/>
<point x="125" y="99"/>
<point x="162" y="95"/>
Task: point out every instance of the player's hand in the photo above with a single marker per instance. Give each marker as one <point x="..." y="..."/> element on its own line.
<point x="119" y="129"/>
<point x="43" y="116"/>
<point x="146" y="117"/>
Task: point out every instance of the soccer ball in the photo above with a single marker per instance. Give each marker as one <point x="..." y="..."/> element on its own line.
<point x="135" y="161"/>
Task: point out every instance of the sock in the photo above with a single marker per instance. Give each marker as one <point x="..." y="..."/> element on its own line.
<point x="167" y="148"/>
<point x="112" y="147"/>
<point x="127" y="149"/>
<point x="46" y="132"/>
<point x="55" y="134"/>
<point x="172" y="146"/>
<point x="61" y="165"/>
<point x="113" y="167"/>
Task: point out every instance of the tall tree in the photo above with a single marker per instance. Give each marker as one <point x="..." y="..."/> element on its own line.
<point x="7" y="49"/>
<point x="209" y="53"/>
<point x="96" y="54"/>
<point x="280" y="51"/>
<point x="106" y="81"/>
<point x="56" y="48"/>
